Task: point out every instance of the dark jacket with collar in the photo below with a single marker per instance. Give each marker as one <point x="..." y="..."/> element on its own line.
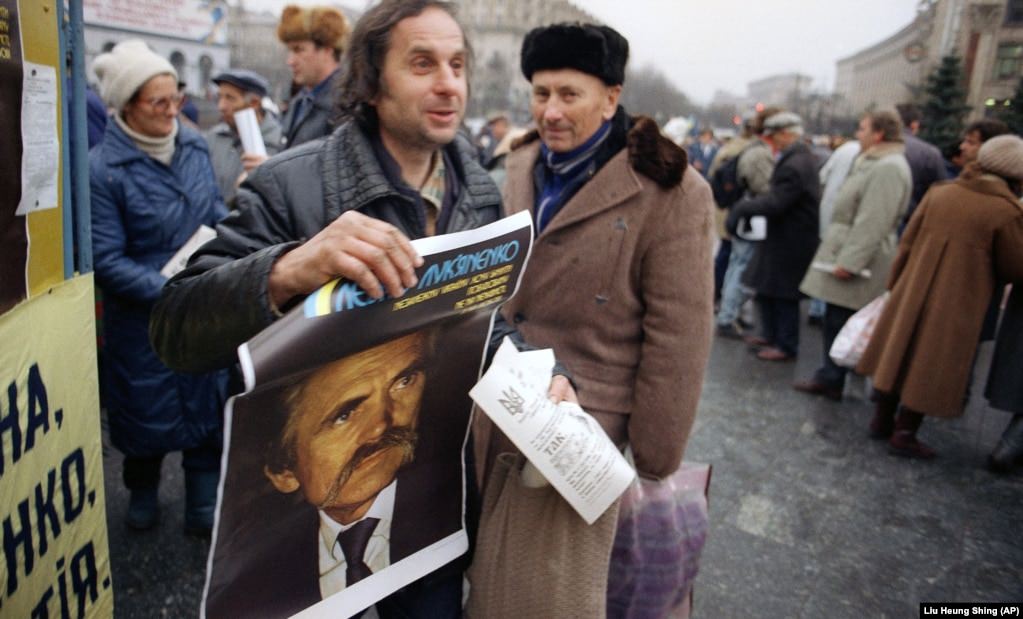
<point x="791" y="209"/>
<point x="221" y="299"/>
<point x="142" y="212"/>
<point x="926" y="166"/>
<point x="317" y="116"/>
<point x="226" y="152"/>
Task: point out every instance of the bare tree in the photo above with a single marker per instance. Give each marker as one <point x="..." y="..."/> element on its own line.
<point x="647" y="91"/>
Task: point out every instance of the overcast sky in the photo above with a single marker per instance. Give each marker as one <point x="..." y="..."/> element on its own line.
<point x="704" y="45"/>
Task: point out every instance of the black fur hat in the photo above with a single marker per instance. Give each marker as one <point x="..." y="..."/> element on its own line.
<point x="597" y="50"/>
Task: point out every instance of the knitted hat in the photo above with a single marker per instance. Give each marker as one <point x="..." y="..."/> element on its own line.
<point x="323" y="25"/>
<point x="781" y="121"/>
<point x="1002" y="155"/>
<point x="126" y="68"/>
<point x="597" y="50"/>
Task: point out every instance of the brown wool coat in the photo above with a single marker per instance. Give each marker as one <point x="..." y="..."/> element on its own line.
<point x="620" y="285"/>
<point x="964" y="237"/>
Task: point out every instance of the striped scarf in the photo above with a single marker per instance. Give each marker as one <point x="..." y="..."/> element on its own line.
<point x="566" y="173"/>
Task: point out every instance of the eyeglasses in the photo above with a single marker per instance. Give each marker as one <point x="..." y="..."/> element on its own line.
<point x="161" y="104"/>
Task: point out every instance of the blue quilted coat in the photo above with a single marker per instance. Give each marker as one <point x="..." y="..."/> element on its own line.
<point x="142" y="212"/>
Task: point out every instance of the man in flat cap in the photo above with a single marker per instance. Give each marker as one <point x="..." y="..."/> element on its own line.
<point x="620" y="279"/>
<point x="239" y="89"/>
<point x="315" y="37"/>
<point x="781" y="259"/>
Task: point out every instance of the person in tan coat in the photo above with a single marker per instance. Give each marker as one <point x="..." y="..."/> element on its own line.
<point x="965" y="237"/>
<point x="620" y="279"/>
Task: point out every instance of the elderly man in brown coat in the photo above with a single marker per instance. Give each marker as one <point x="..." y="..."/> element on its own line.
<point x="965" y="237"/>
<point x="620" y="280"/>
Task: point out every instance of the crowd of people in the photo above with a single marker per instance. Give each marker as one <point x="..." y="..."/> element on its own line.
<point x="623" y="282"/>
<point x="885" y="212"/>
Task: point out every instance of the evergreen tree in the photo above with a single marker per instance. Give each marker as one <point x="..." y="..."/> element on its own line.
<point x="1013" y="114"/>
<point x="944" y="103"/>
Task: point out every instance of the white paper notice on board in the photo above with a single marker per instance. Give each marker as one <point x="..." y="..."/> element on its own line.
<point x="40" y="156"/>
<point x="563" y="442"/>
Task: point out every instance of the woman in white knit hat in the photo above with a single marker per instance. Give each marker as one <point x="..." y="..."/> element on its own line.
<point x="965" y="237"/>
<point x="152" y="187"/>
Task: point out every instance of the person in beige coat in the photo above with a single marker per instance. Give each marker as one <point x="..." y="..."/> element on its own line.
<point x="620" y="280"/>
<point x="848" y="270"/>
<point x="964" y="238"/>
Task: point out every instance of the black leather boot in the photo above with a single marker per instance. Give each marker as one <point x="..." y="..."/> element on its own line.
<point x="200" y="501"/>
<point x="143" y="508"/>
<point x="883" y="423"/>
<point x="1008" y="453"/>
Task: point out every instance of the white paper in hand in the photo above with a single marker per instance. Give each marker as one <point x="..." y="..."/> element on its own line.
<point x="753" y="230"/>
<point x="249" y="133"/>
<point x="178" y="261"/>
<point x="563" y="442"/>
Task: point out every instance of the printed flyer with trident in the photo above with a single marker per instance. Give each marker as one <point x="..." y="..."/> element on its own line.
<point x="565" y="444"/>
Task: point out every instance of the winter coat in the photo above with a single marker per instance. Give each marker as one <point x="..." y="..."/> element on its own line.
<point x="965" y="237"/>
<point x="926" y="166"/>
<point x="317" y="115"/>
<point x="226" y="152"/>
<point x="832" y="176"/>
<point x="142" y="212"/>
<point x="861" y="235"/>
<point x="781" y="260"/>
<point x="1004" y="388"/>
<point x="221" y="300"/>
<point x="728" y="151"/>
<point x="756" y="164"/>
<point x="620" y="285"/>
<point x="701" y="157"/>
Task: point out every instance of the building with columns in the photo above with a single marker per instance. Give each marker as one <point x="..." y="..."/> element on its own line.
<point x="787" y="89"/>
<point x="496" y="29"/>
<point x="986" y="34"/>
<point x="192" y="35"/>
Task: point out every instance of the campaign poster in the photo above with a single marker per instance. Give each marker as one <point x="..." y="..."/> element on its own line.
<point x="13" y="237"/>
<point x="55" y="557"/>
<point x="344" y="475"/>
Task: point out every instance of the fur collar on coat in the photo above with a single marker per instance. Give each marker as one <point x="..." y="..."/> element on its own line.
<point x="650" y="152"/>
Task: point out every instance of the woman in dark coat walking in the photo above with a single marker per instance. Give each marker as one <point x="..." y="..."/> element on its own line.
<point x="1004" y="388"/>
<point x="781" y="260"/>
<point x="152" y="187"/>
<point x="963" y="239"/>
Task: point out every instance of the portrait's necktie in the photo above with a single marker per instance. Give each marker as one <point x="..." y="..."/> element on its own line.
<point x="353" y="544"/>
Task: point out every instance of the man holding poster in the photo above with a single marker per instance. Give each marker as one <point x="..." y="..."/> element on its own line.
<point x="345" y="207"/>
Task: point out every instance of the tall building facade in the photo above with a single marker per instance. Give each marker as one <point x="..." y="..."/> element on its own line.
<point x="496" y="29"/>
<point x="191" y="35"/>
<point x="786" y="90"/>
<point x="986" y="34"/>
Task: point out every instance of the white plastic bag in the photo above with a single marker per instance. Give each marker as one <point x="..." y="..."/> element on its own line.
<point x="852" y="340"/>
